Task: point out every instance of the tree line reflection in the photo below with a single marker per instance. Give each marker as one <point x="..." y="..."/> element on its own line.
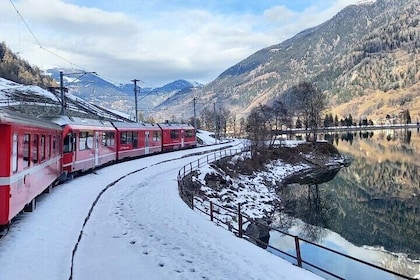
<point x="374" y="202"/>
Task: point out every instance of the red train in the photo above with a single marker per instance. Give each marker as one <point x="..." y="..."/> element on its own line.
<point x="35" y="154"/>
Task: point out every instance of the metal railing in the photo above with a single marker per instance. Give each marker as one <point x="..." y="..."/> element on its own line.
<point x="237" y="222"/>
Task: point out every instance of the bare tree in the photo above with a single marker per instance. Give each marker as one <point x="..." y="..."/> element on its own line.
<point x="308" y="102"/>
<point x="207" y="119"/>
<point x="258" y="130"/>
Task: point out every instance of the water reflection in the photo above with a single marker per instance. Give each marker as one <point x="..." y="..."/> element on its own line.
<point x="373" y="203"/>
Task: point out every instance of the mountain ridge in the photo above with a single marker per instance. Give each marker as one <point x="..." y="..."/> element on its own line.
<point x="332" y="55"/>
<point x="366" y="59"/>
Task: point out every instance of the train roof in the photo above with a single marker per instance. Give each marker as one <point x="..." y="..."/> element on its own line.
<point x="76" y="121"/>
<point x="11" y="117"/>
<point x="167" y="125"/>
<point x="133" y="125"/>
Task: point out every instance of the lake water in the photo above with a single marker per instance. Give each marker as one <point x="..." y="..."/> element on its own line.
<point x="369" y="210"/>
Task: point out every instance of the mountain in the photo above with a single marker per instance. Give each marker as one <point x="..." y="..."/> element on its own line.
<point x="99" y="91"/>
<point x="15" y="69"/>
<point x="366" y="59"/>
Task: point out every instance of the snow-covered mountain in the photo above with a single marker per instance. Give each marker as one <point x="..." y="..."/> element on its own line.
<point x="97" y="90"/>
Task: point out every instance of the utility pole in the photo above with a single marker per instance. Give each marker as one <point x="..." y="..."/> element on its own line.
<point x="63" y="105"/>
<point x="220" y="124"/>
<point x="215" y="123"/>
<point x="195" y="121"/>
<point x="63" y="100"/>
<point x="135" y="98"/>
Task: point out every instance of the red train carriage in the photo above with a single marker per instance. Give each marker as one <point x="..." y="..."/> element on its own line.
<point x="87" y="143"/>
<point x="177" y="136"/>
<point x="30" y="162"/>
<point x="137" y="139"/>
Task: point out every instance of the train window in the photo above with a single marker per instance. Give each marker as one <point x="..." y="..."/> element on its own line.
<point x="111" y="139"/>
<point x="35" y="151"/>
<point x="48" y="147"/>
<point x="156" y="135"/>
<point x="128" y="138"/>
<point x="54" y="149"/>
<point x="26" y="149"/>
<point x="189" y="133"/>
<point x="67" y="147"/>
<point x="15" y="157"/>
<point x="85" y="140"/>
<point x="89" y="141"/>
<point x="123" y="138"/>
<point x="174" y="134"/>
<point x="42" y="148"/>
<point x="108" y="139"/>
<point x="135" y="139"/>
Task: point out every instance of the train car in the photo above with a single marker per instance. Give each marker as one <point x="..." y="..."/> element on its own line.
<point x="87" y="143"/>
<point x="137" y="139"/>
<point x="177" y="136"/>
<point x="30" y="162"/>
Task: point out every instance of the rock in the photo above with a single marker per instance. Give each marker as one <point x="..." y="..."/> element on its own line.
<point x="259" y="232"/>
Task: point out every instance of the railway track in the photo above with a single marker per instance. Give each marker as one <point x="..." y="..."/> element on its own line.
<point x="5" y="231"/>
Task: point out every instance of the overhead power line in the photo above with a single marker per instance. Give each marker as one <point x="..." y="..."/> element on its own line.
<point x="38" y="42"/>
<point x="24" y="21"/>
<point x="49" y="51"/>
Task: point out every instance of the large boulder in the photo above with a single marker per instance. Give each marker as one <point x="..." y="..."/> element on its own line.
<point x="259" y="232"/>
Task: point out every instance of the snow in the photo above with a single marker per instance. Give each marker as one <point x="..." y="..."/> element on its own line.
<point x="138" y="229"/>
<point x="7" y="86"/>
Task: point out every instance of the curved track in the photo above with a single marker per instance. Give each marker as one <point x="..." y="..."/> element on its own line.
<point x="49" y="234"/>
<point x="137" y="229"/>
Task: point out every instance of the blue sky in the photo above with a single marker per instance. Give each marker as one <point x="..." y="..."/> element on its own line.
<point x="156" y="41"/>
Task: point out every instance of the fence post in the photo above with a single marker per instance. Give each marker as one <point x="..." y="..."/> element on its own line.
<point x="298" y="255"/>
<point x="240" y="221"/>
<point x="211" y="211"/>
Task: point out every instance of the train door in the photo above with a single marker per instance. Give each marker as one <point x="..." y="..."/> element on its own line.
<point x="96" y="147"/>
<point x="146" y="143"/>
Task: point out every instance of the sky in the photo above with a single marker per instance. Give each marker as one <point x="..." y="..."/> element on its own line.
<point x="156" y="41"/>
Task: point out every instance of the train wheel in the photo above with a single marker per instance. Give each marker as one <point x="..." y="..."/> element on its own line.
<point x="30" y="207"/>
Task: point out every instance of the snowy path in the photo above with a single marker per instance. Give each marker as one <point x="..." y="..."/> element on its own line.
<point x="140" y="229"/>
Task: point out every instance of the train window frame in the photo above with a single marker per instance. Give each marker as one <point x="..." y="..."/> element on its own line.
<point x="85" y="140"/>
<point x="42" y="148"/>
<point x="156" y="136"/>
<point x="174" y="134"/>
<point x="15" y="151"/>
<point x="108" y="139"/>
<point x="135" y="139"/>
<point x="67" y="143"/>
<point x="128" y="138"/>
<point x="26" y="141"/>
<point x="35" y="148"/>
<point x="189" y="133"/>
<point x="48" y="147"/>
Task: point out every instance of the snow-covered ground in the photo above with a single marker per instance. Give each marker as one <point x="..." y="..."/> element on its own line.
<point x="138" y="229"/>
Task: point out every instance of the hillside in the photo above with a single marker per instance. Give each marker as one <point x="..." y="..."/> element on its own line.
<point x="15" y="69"/>
<point x="366" y="58"/>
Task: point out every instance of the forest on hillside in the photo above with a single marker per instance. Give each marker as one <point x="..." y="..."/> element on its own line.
<point x="15" y="69"/>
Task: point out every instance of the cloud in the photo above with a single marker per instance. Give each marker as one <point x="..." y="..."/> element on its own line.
<point x="192" y="42"/>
